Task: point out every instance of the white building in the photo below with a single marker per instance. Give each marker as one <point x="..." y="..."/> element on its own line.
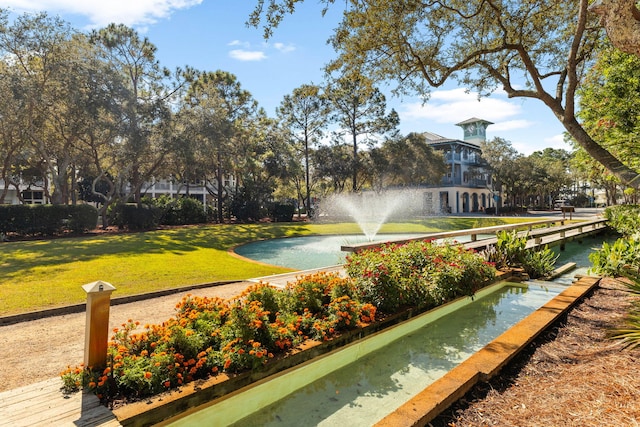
<point x="197" y="189"/>
<point x="467" y="185"/>
<point x="32" y="193"/>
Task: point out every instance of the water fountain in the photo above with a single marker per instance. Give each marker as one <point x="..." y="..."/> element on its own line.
<point x="370" y="210"/>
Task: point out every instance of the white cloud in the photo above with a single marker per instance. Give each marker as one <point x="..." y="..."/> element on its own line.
<point x="509" y="125"/>
<point x="101" y="13"/>
<point x="284" y="48"/>
<point x="456" y="105"/>
<point x="556" y="141"/>
<point x="246" y="45"/>
<point x="247" y="55"/>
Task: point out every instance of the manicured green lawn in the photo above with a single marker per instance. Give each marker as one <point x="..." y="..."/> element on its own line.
<point x="50" y="273"/>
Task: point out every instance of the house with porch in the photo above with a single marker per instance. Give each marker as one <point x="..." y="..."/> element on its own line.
<point x="466" y="187"/>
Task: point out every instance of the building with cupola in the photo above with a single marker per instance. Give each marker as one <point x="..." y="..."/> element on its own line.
<point x="466" y="187"/>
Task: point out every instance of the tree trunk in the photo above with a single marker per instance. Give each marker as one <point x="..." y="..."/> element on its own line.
<point x="306" y="160"/>
<point x="355" y="162"/>
<point x="627" y="175"/>
<point x="220" y="191"/>
<point x="621" y="20"/>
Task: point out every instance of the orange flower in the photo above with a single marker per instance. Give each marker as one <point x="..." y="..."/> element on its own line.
<point x="147" y="375"/>
<point x="167" y="384"/>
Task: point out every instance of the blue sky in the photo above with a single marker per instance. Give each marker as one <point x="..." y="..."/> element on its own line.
<point x="211" y="35"/>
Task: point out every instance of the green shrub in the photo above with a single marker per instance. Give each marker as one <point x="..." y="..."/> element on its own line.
<point x="46" y="220"/>
<point x="191" y="211"/>
<point x="283" y="212"/>
<point x="511" y="251"/>
<point x="540" y="262"/>
<point x="134" y="217"/>
<point x="83" y="218"/>
<point x="180" y="211"/>
<point x="211" y="335"/>
<point x="420" y="274"/>
<point x="625" y="219"/>
<point x="620" y="259"/>
<point x="13" y="218"/>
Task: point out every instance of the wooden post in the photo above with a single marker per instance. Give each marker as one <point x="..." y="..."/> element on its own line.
<point x="96" y="334"/>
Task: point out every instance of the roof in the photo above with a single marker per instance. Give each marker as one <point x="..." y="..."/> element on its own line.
<point x="434" y="140"/>
<point x="433" y="137"/>
<point x="474" y="120"/>
<point x="448" y="142"/>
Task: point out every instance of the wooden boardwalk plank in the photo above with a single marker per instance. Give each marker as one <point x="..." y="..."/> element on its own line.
<point x="44" y="404"/>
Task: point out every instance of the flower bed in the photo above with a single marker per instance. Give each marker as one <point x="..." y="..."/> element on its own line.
<point x="249" y="333"/>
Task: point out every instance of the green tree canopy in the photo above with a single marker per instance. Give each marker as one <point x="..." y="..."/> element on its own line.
<point x="305" y="114"/>
<point x="610" y="111"/>
<point x="409" y="161"/>
<point x="536" y="49"/>
<point x="359" y="109"/>
<point x="218" y="108"/>
<point x="610" y="104"/>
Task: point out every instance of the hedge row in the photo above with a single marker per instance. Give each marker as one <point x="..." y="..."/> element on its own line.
<point x="46" y="220"/>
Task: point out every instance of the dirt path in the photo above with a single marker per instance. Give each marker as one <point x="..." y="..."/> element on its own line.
<point x="40" y="349"/>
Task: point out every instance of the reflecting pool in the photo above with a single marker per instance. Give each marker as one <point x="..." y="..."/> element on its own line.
<point x="309" y="252"/>
<point x="364" y="382"/>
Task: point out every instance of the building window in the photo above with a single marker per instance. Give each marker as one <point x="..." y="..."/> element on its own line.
<point x="33" y="197"/>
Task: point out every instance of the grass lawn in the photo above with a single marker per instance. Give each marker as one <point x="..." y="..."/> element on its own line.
<point x="50" y="273"/>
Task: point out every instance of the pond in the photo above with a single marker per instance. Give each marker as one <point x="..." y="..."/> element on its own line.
<point x="309" y="252"/>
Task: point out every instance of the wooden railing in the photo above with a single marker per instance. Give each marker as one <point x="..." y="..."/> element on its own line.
<point x="529" y="229"/>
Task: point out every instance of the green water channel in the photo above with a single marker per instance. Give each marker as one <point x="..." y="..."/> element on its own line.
<point x="367" y="380"/>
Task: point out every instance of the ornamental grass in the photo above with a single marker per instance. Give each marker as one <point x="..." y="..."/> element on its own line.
<point x="208" y="336"/>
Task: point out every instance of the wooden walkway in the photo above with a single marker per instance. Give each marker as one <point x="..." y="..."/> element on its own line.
<point x="44" y="404"/>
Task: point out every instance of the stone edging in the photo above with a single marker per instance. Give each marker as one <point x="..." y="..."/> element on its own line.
<point x="79" y="308"/>
<point x="487" y="362"/>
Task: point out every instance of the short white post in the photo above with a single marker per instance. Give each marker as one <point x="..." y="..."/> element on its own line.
<point x="97" y="327"/>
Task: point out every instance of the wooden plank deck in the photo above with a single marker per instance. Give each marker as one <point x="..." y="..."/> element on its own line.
<point x="44" y="404"/>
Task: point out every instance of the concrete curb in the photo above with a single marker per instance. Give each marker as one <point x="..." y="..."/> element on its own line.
<point x="79" y="308"/>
